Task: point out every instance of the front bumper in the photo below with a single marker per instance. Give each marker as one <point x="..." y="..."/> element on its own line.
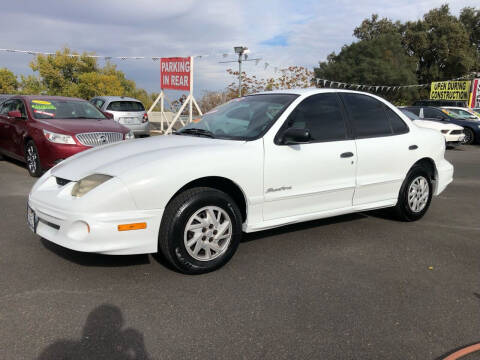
<point x="61" y="223"/>
<point x="454" y="138"/>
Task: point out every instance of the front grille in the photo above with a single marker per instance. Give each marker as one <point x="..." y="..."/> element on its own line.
<point x="99" y="138"/>
<point x="456" y="132"/>
<point x="61" y="181"/>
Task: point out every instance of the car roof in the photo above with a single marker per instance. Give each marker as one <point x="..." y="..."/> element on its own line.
<point x="46" y="97"/>
<point x="455" y="108"/>
<point x="312" y="91"/>
<point x="116" y="98"/>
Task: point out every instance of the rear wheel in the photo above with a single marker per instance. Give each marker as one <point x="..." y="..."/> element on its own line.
<point x="415" y="195"/>
<point x="469" y="136"/>
<point x="33" y="160"/>
<point x="200" y="230"/>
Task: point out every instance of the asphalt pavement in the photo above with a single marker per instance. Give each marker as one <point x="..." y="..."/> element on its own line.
<point x="361" y="286"/>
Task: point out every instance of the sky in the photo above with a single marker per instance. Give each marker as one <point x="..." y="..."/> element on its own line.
<point x="281" y="33"/>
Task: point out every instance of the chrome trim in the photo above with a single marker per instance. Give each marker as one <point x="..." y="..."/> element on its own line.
<point x="99" y="138"/>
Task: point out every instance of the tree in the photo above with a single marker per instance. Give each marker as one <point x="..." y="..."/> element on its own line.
<point x="470" y="19"/>
<point x="441" y="45"/>
<point x="381" y="60"/>
<point x="8" y="82"/>
<point x="371" y="28"/>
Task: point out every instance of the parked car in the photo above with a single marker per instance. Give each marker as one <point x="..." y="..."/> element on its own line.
<point x="44" y="130"/>
<point x="438" y="103"/>
<point x="4" y="97"/>
<point x="453" y="133"/>
<point x="127" y="111"/>
<point x="465" y="113"/>
<point x="471" y="128"/>
<point x="254" y="163"/>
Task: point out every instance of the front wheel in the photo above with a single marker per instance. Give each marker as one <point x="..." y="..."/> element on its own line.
<point x="33" y="160"/>
<point x="415" y="195"/>
<point x="200" y="230"/>
<point x="469" y="136"/>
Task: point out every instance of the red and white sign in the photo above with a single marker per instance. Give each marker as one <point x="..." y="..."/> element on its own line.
<point x="175" y="73"/>
<point x="475" y="96"/>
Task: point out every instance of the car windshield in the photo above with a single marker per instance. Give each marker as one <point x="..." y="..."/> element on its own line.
<point x="125" y="106"/>
<point x="64" y="109"/>
<point x="453" y="114"/>
<point x="411" y="115"/>
<point x="245" y="118"/>
<point x="461" y="112"/>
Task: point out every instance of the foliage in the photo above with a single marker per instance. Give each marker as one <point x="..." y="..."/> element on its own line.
<point x="440" y="46"/>
<point x="8" y="81"/>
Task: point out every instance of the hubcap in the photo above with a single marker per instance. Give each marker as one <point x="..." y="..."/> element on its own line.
<point x="208" y="233"/>
<point x="418" y="193"/>
<point x="31" y="159"/>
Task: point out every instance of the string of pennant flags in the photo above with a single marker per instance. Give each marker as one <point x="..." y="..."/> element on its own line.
<point x="319" y="82"/>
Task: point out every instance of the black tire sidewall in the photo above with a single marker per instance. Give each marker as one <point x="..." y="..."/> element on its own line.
<point x="407" y="213"/>
<point x="38" y="170"/>
<point x="176" y="247"/>
<point x="472" y="136"/>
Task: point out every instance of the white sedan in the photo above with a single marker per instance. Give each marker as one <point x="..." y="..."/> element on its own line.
<point x="453" y="134"/>
<point x="254" y="163"/>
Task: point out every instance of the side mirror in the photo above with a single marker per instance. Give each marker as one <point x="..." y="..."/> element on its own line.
<point x="15" y="114"/>
<point x="107" y="114"/>
<point x="295" y="136"/>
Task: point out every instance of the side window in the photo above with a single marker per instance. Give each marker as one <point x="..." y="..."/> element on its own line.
<point x="6" y="107"/>
<point x="368" y="116"/>
<point x="396" y="122"/>
<point x="98" y="102"/>
<point x="322" y="116"/>
<point x="432" y="113"/>
<point x="18" y="105"/>
<point x="416" y="110"/>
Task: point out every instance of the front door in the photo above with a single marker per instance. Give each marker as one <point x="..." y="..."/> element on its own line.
<point x="317" y="176"/>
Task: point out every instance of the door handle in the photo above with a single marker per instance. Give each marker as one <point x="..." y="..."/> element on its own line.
<point x="413" y="147"/>
<point x="346" y="154"/>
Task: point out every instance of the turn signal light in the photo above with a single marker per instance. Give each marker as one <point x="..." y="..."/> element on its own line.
<point x="136" y="226"/>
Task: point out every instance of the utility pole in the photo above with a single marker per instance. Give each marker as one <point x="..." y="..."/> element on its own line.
<point x="242" y="52"/>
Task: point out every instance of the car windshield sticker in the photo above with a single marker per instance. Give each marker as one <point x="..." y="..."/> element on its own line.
<point x="43" y="113"/>
<point x="42" y="105"/>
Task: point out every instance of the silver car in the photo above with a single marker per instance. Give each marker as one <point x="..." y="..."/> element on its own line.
<point x="127" y="111"/>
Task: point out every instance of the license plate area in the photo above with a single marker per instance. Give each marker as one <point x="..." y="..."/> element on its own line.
<point x="129" y="120"/>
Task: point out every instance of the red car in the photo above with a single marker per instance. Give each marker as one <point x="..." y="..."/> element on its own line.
<point x="44" y="130"/>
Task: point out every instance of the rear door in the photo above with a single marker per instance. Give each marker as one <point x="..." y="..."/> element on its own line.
<point x="383" y="145"/>
<point x="6" y="140"/>
<point x="18" y="127"/>
<point x="318" y="176"/>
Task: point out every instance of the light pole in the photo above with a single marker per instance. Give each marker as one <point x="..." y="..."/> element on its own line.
<point x="242" y="51"/>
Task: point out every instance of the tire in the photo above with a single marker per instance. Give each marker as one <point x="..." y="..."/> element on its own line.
<point x="190" y="240"/>
<point x="415" y="184"/>
<point x="32" y="159"/>
<point x="469" y="136"/>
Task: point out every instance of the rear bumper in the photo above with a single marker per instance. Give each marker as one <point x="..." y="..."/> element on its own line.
<point x="101" y="235"/>
<point x="444" y="176"/>
<point x="139" y="129"/>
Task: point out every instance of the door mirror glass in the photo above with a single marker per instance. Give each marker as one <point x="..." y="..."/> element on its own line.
<point x="295" y="136"/>
<point x="15" y="114"/>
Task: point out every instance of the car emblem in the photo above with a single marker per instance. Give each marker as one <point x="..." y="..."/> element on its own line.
<point x="102" y="139"/>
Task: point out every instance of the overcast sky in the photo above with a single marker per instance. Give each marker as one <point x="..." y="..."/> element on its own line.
<point x="282" y="33"/>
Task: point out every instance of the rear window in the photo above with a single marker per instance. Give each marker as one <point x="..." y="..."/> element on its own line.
<point x="125" y="106"/>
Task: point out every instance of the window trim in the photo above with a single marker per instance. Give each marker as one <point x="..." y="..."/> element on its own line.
<point x="348" y="129"/>
<point x="355" y="136"/>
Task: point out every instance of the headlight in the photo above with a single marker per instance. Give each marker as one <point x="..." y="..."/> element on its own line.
<point x="130" y="135"/>
<point x="59" y="138"/>
<point x="444" y="131"/>
<point x="88" y="183"/>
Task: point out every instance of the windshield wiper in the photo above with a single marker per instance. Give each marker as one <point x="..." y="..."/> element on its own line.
<point x="197" y="132"/>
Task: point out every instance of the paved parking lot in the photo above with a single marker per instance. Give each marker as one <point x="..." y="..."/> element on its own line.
<point x="353" y="287"/>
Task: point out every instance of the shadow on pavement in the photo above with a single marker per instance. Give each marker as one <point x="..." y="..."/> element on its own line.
<point x="91" y="259"/>
<point x="103" y="337"/>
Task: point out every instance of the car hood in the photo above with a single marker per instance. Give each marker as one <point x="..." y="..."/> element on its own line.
<point x="78" y="126"/>
<point x="437" y="125"/>
<point x="119" y="158"/>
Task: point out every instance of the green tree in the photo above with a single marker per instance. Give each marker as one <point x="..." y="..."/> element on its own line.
<point x="470" y="18"/>
<point x="371" y="28"/>
<point x="8" y="82"/>
<point x="381" y="60"/>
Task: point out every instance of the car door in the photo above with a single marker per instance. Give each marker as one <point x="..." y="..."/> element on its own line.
<point x="385" y="149"/>
<point x="312" y="177"/>
<point x="6" y="142"/>
<point x="18" y="127"/>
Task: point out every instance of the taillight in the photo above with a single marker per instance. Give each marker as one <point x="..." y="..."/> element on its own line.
<point x="145" y="118"/>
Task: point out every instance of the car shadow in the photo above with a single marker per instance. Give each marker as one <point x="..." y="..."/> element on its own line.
<point x="13" y="161"/>
<point x="92" y="259"/>
<point x="302" y="226"/>
<point x="103" y="337"/>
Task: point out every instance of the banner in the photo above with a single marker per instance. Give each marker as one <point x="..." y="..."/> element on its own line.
<point x="175" y="73"/>
<point x="475" y="97"/>
<point x="450" y="90"/>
